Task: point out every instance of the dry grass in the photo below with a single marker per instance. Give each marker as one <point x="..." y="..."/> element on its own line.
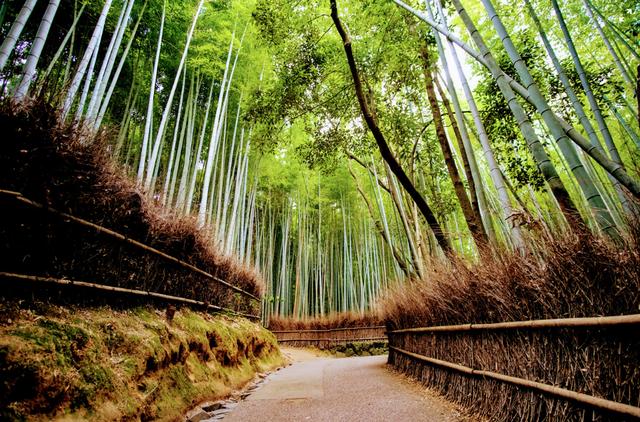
<point x="570" y="277"/>
<point x="68" y="168"/>
<point x="575" y="276"/>
<point x="339" y="320"/>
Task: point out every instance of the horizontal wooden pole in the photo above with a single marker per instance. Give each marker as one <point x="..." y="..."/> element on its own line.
<point x="329" y="330"/>
<point x="588" y="322"/>
<point x="104" y="287"/>
<point x="19" y="197"/>
<point x="592" y="401"/>
<point x="347" y="340"/>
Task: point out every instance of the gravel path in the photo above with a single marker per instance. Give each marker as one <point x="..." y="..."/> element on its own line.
<point x="350" y="389"/>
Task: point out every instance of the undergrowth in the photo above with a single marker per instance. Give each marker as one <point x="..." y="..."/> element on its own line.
<point x="569" y="276"/>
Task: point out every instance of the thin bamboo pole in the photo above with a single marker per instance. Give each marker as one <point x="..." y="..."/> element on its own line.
<point x="583" y="322"/>
<point x="103" y="287"/>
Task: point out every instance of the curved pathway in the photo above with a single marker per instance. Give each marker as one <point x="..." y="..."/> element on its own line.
<point x="349" y="389"/>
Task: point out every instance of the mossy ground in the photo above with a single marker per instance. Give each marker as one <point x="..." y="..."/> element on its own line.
<point x="61" y="363"/>
<point x="371" y="348"/>
<point x="360" y="349"/>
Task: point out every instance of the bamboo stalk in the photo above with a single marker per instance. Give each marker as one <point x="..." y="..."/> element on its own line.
<point x="19" y="197"/>
<point x="103" y="287"/>
<point x="585" y="322"/>
<point x="582" y="398"/>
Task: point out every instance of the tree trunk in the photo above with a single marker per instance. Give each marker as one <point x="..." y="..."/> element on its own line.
<point x="381" y="229"/>
<point x="107" y="97"/>
<point x="165" y="115"/>
<point x="88" y="54"/>
<point x="470" y="216"/>
<point x="36" y="49"/>
<point x="474" y="181"/>
<point x="385" y="151"/>
<point x="540" y="155"/>
<point x="9" y="43"/>
<point x="610" y="166"/>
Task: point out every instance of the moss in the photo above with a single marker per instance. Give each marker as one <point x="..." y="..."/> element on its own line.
<point x="360" y="349"/>
<point x="64" y="340"/>
<point x="101" y="364"/>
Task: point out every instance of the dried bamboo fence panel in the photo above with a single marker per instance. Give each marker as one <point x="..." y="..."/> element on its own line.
<point x="324" y="339"/>
<point x="557" y="369"/>
<point x="71" y="248"/>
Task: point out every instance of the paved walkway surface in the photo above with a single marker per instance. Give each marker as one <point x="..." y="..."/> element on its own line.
<point x="350" y="389"/>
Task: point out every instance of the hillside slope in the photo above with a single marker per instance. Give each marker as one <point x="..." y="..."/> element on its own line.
<point x="102" y="364"/>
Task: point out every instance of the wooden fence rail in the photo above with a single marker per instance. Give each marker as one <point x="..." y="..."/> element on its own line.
<point x="600" y="322"/>
<point x="330" y="330"/>
<point x="20" y="198"/>
<point x="122" y="290"/>
<point x="586" y="322"/>
<point x="592" y="401"/>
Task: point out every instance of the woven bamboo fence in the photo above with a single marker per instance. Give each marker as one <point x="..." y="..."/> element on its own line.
<point x="126" y="258"/>
<point x="325" y="339"/>
<point x="557" y="369"/>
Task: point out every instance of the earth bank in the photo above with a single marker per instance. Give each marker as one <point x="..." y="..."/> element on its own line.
<point x="73" y="363"/>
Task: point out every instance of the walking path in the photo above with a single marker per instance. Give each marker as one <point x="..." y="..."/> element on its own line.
<point x="349" y="389"/>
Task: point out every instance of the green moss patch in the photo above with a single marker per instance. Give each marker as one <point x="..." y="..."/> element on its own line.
<point x="103" y="364"/>
<point x="360" y="349"/>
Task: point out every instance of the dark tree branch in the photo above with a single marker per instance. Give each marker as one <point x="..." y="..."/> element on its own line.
<point x="383" y="146"/>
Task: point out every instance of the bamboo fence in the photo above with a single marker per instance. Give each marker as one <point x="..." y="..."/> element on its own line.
<point x="139" y="245"/>
<point x="401" y="339"/>
<point x="331" y="337"/>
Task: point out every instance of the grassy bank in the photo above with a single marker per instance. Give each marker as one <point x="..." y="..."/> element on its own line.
<point x="103" y="364"/>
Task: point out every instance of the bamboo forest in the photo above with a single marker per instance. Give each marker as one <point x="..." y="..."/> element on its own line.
<point x="401" y="162"/>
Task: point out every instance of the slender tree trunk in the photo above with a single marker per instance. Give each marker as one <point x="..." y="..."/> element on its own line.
<point x="223" y="99"/>
<point x="540" y="155"/>
<point x="385" y="151"/>
<point x="203" y="132"/>
<point x="494" y="169"/>
<point x="472" y="219"/>
<point x="86" y="58"/>
<point x="577" y="105"/>
<point x="62" y="46"/>
<point x="30" y="67"/>
<point x="476" y="190"/>
<point x="148" y="126"/>
<point x="607" y="44"/>
<point x="610" y="166"/>
<point x="397" y="200"/>
<point x="167" y="109"/>
<point x="107" y="97"/>
<point x="109" y="61"/>
<point x="87" y="81"/>
<point x="598" y="207"/>
<point x="381" y="229"/>
<point x="9" y="43"/>
<point x="595" y="108"/>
